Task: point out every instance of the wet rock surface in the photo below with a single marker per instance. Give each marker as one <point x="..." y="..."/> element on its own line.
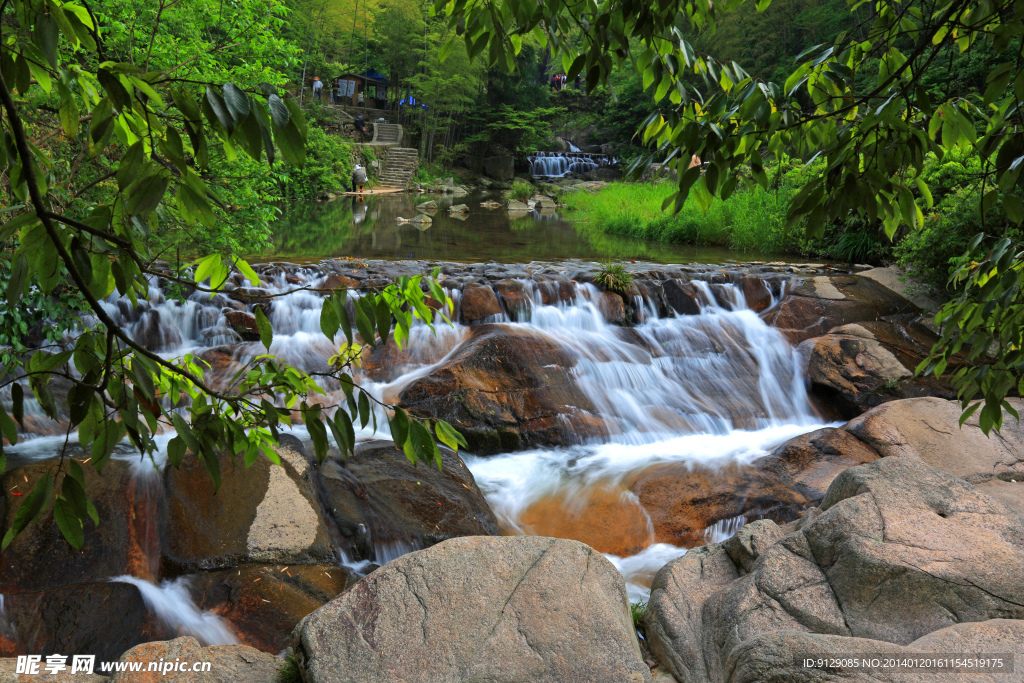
<point x="892" y="532"/>
<point x="496" y="609"/>
<point x="506" y="389"/>
<point x="381" y="503"/>
<point x="123" y="543"/>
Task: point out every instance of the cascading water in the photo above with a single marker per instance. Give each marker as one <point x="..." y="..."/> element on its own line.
<point x="559" y="164"/>
<point x="711" y="389"/>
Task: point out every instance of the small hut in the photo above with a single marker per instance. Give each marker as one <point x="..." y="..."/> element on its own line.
<point x="371" y="84"/>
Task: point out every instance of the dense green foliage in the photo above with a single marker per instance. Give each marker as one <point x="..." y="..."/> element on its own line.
<point x="160" y="150"/>
<point x="613" y="277"/>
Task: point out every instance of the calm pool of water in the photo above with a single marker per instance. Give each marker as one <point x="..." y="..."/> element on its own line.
<point x="367" y="228"/>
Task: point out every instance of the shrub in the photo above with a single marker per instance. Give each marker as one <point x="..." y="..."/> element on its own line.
<point x="288" y="672"/>
<point x="614" y="278"/>
<point x="521" y="190"/>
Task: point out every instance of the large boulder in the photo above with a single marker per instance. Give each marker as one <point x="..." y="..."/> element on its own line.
<point x="123" y="543"/>
<point x="779" y="657"/>
<point x="517" y="299"/>
<point x="928" y="430"/>
<point x="500" y="167"/>
<point x="811" y="461"/>
<point x="507" y="388"/>
<point x="816" y="305"/>
<point x="898" y="550"/>
<point x="261" y="514"/>
<point x="504" y="609"/>
<point x="217" y="663"/>
<point x="380" y="502"/>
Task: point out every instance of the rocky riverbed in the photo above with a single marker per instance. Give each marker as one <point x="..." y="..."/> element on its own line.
<point x="744" y="445"/>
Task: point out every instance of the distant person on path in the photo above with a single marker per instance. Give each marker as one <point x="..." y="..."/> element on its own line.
<point x="360" y="125"/>
<point x="359" y="178"/>
<point x="318" y="88"/>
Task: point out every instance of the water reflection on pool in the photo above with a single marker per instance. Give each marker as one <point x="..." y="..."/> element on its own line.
<point x="367" y="228"/>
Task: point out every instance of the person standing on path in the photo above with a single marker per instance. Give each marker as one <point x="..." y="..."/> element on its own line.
<point x="358" y="178"/>
<point x="318" y="88"/>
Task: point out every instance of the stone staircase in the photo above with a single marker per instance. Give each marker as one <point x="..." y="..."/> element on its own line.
<point x="387" y="134"/>
<point x="399" y="165"/>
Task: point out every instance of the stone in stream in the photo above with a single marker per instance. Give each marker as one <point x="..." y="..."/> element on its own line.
<point x="480" y="609"/>
<point x="505" y="389"/>
<point x="243" y="323"/>
<point x="227" y="663"/>
<point x="898" y="550"/>
<point x="682" y="296"/>
<point x="850" y="370"/>
<point x="427" y="206"/>
<point x="265" y="602"/>
<point x="823" y="302"/>
<point x="262" y="514"/>
<point x="102" y="618"/>
<point x="813" y="460"/>
<point x="380" y="502"/>
<point x="608" y="519"/>
<point x="684" y="501"/>
<point x="517" y="206"/>
<point x="518" y="301"/>
<point x="458" y="208"/>
<point x="479" y="303"/>
<point x="125" y="542"/>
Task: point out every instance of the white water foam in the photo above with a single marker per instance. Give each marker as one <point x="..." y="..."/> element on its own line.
<point x="172" y="605"/>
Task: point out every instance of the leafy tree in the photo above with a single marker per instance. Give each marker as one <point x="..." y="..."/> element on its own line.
<point x="859" y="103"/>
<point x="161" y="138"/>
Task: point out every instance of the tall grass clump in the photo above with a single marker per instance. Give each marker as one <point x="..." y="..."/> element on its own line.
<point x="749" y="220"/>
<point x="521" y="191"/>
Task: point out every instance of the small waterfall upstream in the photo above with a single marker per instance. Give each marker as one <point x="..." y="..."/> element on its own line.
<point x="712" y="389"/>
<point x="560" y="164"/>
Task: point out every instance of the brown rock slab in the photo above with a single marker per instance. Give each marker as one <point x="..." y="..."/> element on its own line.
<point x="505" y="389"/>
<point x="243" y="323"/>
<point x="496" y="609"/>
<point x="684" y="501"/>
<point x="217" y="664"/>
<point x="609" y="520"/>
<point x="516" y="298"/>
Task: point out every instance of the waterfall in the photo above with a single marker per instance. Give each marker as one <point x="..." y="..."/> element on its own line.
<point x="559" y="164"/>
<point x="716" y="388"/>
<point x="172" y="604"/>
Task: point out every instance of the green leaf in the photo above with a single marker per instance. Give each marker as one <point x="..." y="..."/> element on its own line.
<point x="237" y="103"/>
<point x="291" y="144"/>
<point x="68" y="522"/>
<point x="423" y="444"/>
<point x="16" y="284"/>
<point x="399" y="424"/>
<point x="175" y="450"/>
<point x="245" y="269"/>
<point x="146" y="195"/>
<point x="30" y="509"/>
<point x="329" y="319"/>
<point x="278" y="112"/>
<point x="364" y="410"/>
<point x="383" y="319"/>
<point x="220" y="110"/>
<point x="317" y="433"/>
<point x="1014" y="208"/>
<point x="449" y="436"/>
<point x="266" y="330"/>
<point x="365" y="320"/>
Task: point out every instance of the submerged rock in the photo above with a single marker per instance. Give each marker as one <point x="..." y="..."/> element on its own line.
<point x="495" y="609"/>
<point x="506" y="388"/>
<point x="898" y="550"/>
<point x="265" y="602"/>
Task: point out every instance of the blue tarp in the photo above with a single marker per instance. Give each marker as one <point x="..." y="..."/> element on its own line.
<point x="375" y="75"/>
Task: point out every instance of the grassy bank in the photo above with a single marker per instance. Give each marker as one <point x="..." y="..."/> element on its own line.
<point x="750" y="220"/>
